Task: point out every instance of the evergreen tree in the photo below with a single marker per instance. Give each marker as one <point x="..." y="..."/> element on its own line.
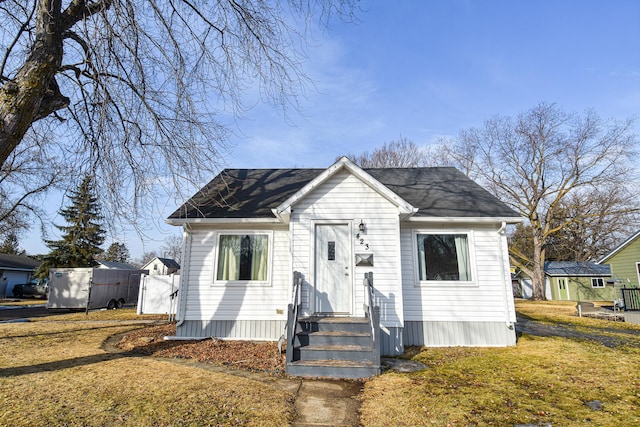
<point x="82" y="237"/>
<point x="116" y="252"/>
<point x="10" y="245"/>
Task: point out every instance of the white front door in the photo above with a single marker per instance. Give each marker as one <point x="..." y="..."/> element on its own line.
<point x="333" y="282"/>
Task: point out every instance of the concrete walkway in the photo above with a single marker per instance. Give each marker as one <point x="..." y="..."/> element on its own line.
<point x="327" y="403"/>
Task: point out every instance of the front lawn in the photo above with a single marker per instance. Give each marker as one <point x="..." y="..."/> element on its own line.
<point x="56" y="374"/>
<point x="541" y="380"/>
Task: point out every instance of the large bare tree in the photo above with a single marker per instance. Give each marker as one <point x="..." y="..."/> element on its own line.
<point x="400" y="153"/>
<point x="145" y="92"/>
<point x="549" y="164"/>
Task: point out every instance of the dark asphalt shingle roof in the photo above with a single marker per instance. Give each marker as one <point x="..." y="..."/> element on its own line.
<point x="17" y="262"/>
<point x="169" y="263"/>
<point x="575" y="268"/>
<point x="252" y="193"/>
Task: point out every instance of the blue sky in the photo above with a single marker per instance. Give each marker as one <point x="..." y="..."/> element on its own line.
<point x="424" y="69"/>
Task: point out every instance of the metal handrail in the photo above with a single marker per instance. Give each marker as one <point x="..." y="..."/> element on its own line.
<point x="373" y="313"/>
<point x="292" y="315"/>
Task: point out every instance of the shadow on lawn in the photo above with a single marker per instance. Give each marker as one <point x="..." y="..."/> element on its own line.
<point x="64" y="364"/>
<point x="69" y="331"/>
<point x="608" y="337"/>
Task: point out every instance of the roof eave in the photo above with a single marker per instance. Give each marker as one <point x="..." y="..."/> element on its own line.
<point x="183" y="221"/>
<point x="578" y="274"/>
<point x="463" y="219"/>
<point x="620" y="247"/>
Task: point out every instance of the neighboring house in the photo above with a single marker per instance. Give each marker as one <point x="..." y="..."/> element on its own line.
<point x="433" y="239"/>
<point x="579" y="281"/>
<point x="162" y="266"/>
<point x="523" y="288"/>
<point x="625" y="261"/>
<point x="113" y="265"/>
<point x="14" y="270"/>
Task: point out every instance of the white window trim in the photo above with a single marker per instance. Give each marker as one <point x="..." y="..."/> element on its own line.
<point x="444" y="283"/>
<point x="593" y="281"/>
<point x="268" y="233"/>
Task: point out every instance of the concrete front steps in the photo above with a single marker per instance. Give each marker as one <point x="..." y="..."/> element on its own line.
<point x="333" y="347"/>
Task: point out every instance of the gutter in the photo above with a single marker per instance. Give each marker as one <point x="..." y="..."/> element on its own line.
<point x="184" y="277"/>
<point x="508" y="321"/>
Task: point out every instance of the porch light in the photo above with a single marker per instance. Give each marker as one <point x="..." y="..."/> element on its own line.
<point x="362" y="227"/>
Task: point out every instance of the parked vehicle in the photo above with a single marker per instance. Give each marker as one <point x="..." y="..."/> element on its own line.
<point x="91" y="288"/>
<point x="35" y="288"/>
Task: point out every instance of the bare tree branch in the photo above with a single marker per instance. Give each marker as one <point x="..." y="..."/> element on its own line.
<point x="144" y="93"/>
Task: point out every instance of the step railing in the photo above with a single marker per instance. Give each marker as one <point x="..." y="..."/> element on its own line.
<point x="292" y="314"/>
<point x="373" y="313"/>
<point x="631" y="298"/>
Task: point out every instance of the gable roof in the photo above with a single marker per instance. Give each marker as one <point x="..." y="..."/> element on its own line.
<point x="116" y="265"/>
<point x="575" y="268"/>
<point x="167" y="262"/>
<point x="18" y="262"/>
<point x="344" y="163"/>
<point x="620" y="247"/>
<point x="435" y="192"/>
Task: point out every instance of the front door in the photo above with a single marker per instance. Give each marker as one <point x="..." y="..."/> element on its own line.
<point x="333" y="283"/>
<point x="563" y="293"/>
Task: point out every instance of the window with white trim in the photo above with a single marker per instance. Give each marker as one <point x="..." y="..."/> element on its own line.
<point x="443" y="257"/>
<point x="597" y="282"/>
<point x="242" y="257"/>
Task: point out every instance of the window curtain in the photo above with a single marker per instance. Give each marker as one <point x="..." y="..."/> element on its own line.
<point x="229" y="258"/>
<point x="462" y="254"/>
<point x="250" y="261"/>
<point x="260" y="257"/>
<point x="422" y="259"/>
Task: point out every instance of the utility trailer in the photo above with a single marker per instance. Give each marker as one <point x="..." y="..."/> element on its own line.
<point x="92" y="288"/>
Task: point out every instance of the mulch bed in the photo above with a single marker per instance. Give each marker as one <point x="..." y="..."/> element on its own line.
<point x="253" y="356"/>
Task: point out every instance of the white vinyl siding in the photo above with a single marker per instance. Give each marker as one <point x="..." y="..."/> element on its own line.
<point x="206" y="300"/>
<point x="489" y="300"/>
<point x="344" y="198"/>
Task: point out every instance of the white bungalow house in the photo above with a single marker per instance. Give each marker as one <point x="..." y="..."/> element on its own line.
<point x="269" y="249"/>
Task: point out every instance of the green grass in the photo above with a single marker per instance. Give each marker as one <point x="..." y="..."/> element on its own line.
<point x="56" y="374"/>
<point x="541" y="380"/>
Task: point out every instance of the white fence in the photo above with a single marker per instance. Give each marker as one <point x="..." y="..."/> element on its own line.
<point x="158" y="294"/>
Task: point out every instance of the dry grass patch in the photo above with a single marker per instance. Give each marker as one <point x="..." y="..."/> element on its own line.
<point x="18" y="302"/>
<point x="120" y="314"/>
<point x="54" y="373"/>
<point x="541" y="380"/>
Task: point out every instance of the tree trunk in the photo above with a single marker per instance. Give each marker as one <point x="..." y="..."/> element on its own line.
<point x="33" y="93"/>
<point x="538" y="279"/>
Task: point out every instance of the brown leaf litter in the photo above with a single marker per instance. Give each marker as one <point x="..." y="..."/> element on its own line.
<point x="250" y="355"/>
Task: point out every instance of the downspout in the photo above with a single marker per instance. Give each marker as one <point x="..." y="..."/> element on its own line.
<point x="184" y="273"/>
<point x="508" y="321"/>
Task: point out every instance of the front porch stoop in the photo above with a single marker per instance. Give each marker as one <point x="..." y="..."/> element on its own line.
<point x="333" y="347"/>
